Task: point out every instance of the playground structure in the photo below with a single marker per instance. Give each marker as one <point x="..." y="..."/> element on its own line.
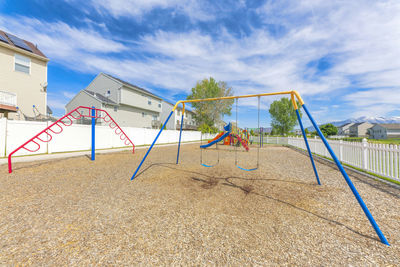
<point x="235" y="137"/>
<point x="294" y="95"/>
<point x="45" y="135"/>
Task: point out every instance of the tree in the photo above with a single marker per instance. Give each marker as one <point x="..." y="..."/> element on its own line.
<point x="328" y="129"/>
<point x="211" y="112"/>
<point x="283" y="115"/>
<point x="204" y="128"/>
<point x="306" y="131"/>
<point x="252" y="132"/>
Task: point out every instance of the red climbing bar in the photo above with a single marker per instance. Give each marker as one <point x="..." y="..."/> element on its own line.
<point x="81" y="112"/>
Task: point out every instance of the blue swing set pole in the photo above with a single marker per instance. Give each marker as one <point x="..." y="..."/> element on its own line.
<point x="307" y="145"/>
<point x="93" y="133"/>
<point x="155" y="140"/>
<point x="348" y="181"/>
<point x="180" y="135"/>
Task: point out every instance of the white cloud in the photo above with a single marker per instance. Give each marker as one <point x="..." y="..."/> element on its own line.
<point x="60" y="41"/>
<point x="139" y="8"/>
<point x="362" y="37"/>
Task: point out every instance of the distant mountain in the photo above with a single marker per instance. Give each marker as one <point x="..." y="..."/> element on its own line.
<point x="362" y="119"/>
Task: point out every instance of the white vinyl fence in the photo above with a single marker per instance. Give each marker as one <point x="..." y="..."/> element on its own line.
<point x="380" y="159"/>
<point x="78" y="137"/>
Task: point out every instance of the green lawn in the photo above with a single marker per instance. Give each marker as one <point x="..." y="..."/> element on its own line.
<point x="392" y="141"/>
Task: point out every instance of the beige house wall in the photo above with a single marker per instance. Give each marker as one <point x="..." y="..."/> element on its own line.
<point x="26" y="86"/>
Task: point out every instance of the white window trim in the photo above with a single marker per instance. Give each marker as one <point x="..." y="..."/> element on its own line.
<point x="30" y="64"/>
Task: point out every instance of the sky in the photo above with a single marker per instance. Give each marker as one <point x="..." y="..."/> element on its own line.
<point x="342" y="56"/>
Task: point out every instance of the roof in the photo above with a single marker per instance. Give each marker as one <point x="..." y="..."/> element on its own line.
<point x="346" y="124"/>
<point x="359" y="123"/>
<point x="34" y="48"/>
<point x="131" y="85"/>
<point x="390" y="126"/>
<point x="100" y="97"/>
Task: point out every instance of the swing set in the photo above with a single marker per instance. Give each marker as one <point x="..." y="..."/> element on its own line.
<point x="294" y="95"/>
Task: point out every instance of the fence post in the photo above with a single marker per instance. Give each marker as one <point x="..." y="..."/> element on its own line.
<point x="341" y="150"/>
<point x="365" y="154"/>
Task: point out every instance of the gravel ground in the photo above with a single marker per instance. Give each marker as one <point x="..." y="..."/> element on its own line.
<point x="77" y="212"/>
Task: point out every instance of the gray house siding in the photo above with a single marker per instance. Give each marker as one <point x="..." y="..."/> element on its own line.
<point x="385" y="131"/>
<point x="129" y="105"/>
<point x="130" y="116"/>
<point x="360" y="129"/>
<point x="166" y="110"/>
<point x="102" y="84"/>
<point x="82" y="99"/>
<point x="139" y="99"/>
<point x="345" y="129"/>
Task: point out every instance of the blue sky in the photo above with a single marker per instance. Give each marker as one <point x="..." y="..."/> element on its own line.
<point x="342" y="56"/>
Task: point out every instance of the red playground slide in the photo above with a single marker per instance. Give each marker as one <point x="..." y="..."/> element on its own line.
<point x="241" y="141"/>
<point x="218" y="136"/>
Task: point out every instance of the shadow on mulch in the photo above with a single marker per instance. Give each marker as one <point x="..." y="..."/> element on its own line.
<point x="211" y="182"/>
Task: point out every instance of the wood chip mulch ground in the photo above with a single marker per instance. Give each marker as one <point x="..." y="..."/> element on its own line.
<point x="77" y="212"/>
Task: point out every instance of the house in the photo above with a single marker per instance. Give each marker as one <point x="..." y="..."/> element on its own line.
<point x="23" y="78"/>
<point x="385" y="131"/>
<point x="360" y="129"/>
<point x="174" y="122"/>
<point x="345" y="129"/>
<point x="128" y="104"/>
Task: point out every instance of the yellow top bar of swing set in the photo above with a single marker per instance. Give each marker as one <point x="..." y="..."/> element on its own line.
<point x="293" y="94"/>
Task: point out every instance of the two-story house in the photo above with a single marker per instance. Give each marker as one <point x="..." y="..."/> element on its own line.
<point x="385" y="131"/>
<point x="128" y="104"/>
<point x="345" y="129"/>
<point x="174" y="122"/>
<point x="23" y="78"/>
<point x="360" y="129"/>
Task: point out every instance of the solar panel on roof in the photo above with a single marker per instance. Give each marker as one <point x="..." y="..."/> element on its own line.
<point x="2" y="38"/>
<point x="19" y="42"/>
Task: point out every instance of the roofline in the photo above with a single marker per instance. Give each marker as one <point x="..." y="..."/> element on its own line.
<point x="83" y="90"/>
<point x="102" y="102"/>
<point x="134" y="87"/>
<point x="130" y="86"/>
<point x="23" y="51"/>
<point x="92" y="96"/>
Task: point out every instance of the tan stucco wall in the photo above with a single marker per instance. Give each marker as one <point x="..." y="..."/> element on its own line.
<point x="26" y="86"/>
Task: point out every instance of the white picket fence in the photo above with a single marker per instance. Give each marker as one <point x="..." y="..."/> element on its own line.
<point x="381" y="159"/>
<point x="78" y="137"/>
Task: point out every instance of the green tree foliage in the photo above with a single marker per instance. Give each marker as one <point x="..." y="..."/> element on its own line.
<point x="283" y="116"/>
<point x="252" y="132"/>
<point x="306" y="131"/>
<point x="211" y="112"/>
<point x="205" y="128"/>
<point x="328" y="129"/>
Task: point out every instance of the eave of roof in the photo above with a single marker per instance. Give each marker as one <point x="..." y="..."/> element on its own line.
<point x="135" y="87"/>
<point x="36" y="53"/>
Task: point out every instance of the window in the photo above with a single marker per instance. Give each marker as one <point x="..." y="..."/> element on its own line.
<point x="155" y="117"/>
<point x="159" y="105"/>
<point x="149" y="101"/>
<point x="115" y="108"/>
<point x="143" y="114"/>
<point x="22" y="64"/>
